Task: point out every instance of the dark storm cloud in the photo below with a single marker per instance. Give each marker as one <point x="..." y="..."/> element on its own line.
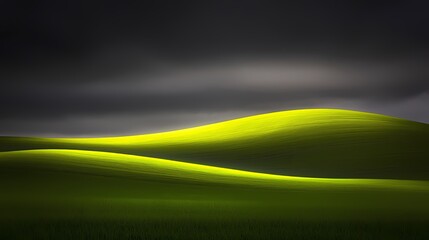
<point x="83" y="67"/>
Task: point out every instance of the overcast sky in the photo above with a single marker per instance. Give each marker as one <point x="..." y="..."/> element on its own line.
<point x="99" y="68"/>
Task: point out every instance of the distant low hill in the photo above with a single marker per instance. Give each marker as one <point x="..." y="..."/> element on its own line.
<point x="314" y="143"/>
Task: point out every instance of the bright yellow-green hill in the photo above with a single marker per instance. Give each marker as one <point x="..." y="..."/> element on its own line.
<point x="315" y="142"/>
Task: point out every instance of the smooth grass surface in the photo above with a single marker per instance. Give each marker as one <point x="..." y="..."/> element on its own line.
<point x="87" y="184"/>
<point x="73" y="194"/>
<point x="314" y="143"/>
<point x="138" y="167"/>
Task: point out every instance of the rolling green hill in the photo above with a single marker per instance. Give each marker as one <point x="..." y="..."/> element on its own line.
<point x="153" y="169"/>
<point x="41" y="183"/>
<point x="314" y="143"/>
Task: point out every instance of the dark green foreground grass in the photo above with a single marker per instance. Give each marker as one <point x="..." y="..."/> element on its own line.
<point x="214" y="230"/>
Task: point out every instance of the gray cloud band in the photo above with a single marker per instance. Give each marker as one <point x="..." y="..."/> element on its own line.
<point x="238" y="85"/>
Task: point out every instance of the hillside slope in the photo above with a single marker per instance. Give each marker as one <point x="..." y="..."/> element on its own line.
<point x="87" y="183"/>
<point x="316" y="143"/>
<point x="154" y="169"/>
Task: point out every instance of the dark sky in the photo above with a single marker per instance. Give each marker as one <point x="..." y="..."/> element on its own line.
<point x="96" y="68"/>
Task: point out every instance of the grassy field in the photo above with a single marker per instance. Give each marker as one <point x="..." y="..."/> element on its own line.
<point x="106" y="188"/>
<point x="214" y="230"/>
